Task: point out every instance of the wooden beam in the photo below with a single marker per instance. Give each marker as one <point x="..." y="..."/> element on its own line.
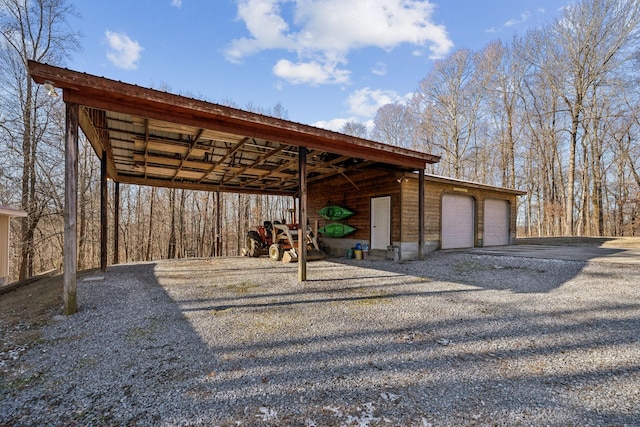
<point x="267" y="128"/>
<point x="70" y="209"/>
<point x="191" y="185"/>
<point x="104" y="202"/>
<point x="146" y="145"/>
<point x="218" y="225"/>
<point x="336" y="171"/>
<point x="194" y="143"/>
<point x="142" y="143"/>
<point x="284" y="166"/>
<point x="421" y="210"/>
<point x="167" y="164"/>
<point x="98" y="138"/>
<point x="276" y="173"/>
<point x="302" y="227"/>
<point x="229" y="152"/>
<point x="258" y="161"/>
<point x="116" y="224"/>
<point x="111" y="95"/>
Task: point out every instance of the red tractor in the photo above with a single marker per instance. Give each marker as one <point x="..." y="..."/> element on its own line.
<point x="280" y="242"/>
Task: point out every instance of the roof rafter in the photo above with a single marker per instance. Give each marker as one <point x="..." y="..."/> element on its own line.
<point x="259" y="161"/>
<point x="230" y="152"/>
<point x="194" y="142"/>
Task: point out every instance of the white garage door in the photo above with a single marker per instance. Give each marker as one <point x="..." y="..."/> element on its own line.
<point x="457" y="221"/>
<point x="496" y="222"/>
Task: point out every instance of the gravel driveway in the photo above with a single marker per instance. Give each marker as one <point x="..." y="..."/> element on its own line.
<point x="459" y="339"/>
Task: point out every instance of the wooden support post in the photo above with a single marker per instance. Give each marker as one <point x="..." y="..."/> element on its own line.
<point x="70" y="209"/>
<point x="421" y="214"/>
<point x="218" y="248"/>
<point x="116" y="224"/>
<point x="104" y="202"/>
<point x="302" y="228"/>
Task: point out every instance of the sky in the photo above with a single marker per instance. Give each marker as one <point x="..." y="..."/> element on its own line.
<point x="325" y="61"/>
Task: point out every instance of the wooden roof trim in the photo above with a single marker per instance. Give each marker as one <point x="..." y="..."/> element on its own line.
<point x="99" y="92"/>
<point x="248" y="129"/>
<point x="7" y="211"/>
<point x="463" y="183"/>
<point x="189" y="185"/>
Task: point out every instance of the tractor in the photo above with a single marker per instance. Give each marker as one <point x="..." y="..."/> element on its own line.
<point x="280" y="242"/>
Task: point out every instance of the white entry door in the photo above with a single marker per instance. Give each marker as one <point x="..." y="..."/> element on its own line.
<point x="380" y="222"/>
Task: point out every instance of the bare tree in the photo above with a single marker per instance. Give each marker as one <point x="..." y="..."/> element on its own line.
<point x="591" y="41"/>
<point x="448" y="102"/>
<point x="393" y="125"/>
<point x="31" y="30"/>
<point x="355" y="128"/>
<point x="506" y="102"/>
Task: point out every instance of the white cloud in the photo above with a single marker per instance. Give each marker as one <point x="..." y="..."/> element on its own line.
<point x="310" y="72"/>
<point x="334" y="124"/>
<point x="524" y="17"/>
<point x="365" y="102"/>
<point x="267" y="27"/>
<point x="323" y="32"/>
<point x="176" y="3"/>
<point x="123" y="52"/>
<point x="380" y="69"/>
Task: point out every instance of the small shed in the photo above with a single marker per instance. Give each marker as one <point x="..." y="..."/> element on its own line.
<point x="458" y="214"/>
<point x="5" y="239"/>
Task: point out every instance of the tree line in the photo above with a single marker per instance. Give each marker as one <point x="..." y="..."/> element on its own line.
<point x="554" y="112"/>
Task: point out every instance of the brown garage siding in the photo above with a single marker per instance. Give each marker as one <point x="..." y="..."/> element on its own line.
<point x="356" y="196"/>
<point x="434" y="189"/>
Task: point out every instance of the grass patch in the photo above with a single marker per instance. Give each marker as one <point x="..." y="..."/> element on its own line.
<point x="375" y="298"/>
<point x="471" y="266"/>
<point x="22" y="382"/>
<point x="243" y="288"/>
<point x="138" y="333"/>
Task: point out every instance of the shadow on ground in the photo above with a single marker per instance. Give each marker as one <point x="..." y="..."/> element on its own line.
<point x="239" y="340"/>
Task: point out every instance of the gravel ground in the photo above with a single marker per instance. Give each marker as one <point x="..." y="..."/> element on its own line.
<point x="459" y="339"/>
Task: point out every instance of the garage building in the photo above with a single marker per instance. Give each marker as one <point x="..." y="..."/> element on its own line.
<point x="458" y="214"/>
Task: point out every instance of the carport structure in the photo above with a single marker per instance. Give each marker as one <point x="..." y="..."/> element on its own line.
<point x="149" y="137"/>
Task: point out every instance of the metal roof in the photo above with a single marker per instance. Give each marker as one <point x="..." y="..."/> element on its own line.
<point x="161" y="139"/>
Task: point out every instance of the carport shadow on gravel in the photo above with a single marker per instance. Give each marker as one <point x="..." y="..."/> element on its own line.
<point x="206" y="341"/>
<point x="327" y="347"/>
<point x="432" y="366"/>
<point x="482" y="270"/>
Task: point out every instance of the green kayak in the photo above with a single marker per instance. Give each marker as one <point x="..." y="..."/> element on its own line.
<point x="334" y="212"/>
<point x="336" y="230"/>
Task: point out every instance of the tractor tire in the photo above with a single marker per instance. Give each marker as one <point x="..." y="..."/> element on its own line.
<point x="253" y="247"/>
<point x="275" y="253"/>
